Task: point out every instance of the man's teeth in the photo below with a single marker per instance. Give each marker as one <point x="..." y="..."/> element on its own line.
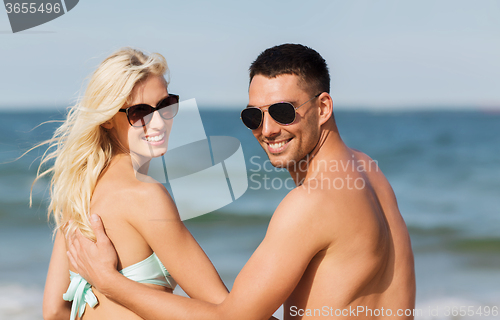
<point x="155" y="138"/>
<point x="277" y="145"/>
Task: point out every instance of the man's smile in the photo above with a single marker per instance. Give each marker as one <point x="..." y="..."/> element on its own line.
<point x="275" y="147"/>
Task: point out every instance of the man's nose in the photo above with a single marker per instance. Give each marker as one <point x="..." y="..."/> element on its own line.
<point x="270" y="127"/>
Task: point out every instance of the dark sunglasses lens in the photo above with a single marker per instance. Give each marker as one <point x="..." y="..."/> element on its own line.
<point x="282" y="112"/>
<point x="168" y="107"/>
<point x="140" y="115"/>
<point x="251" y="117"/>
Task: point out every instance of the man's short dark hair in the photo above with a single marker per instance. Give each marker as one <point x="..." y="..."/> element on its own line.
<point x="295" y="59"/>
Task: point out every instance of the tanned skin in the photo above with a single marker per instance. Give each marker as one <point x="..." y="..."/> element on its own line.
<point x="329" y="246"/>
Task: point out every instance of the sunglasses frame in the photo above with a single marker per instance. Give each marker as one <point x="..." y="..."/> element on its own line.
<point x="286" y="102"/>
<point x="126" y="110"/>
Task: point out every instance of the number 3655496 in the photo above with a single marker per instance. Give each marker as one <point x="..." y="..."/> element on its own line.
<point x="33" y="8"/>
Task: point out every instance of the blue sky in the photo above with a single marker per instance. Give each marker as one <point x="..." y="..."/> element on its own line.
<point x="383" y="54"/>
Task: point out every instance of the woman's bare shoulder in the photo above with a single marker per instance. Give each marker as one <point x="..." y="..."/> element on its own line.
<point x="149" y="199"/>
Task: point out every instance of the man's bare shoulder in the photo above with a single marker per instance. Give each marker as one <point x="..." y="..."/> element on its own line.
<point x="304" y="213"/>
<point x="374" y="174"/>
<point x="302" y="201"/>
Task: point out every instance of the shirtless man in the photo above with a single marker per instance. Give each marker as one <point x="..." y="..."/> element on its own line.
<point x="336" y="246"/>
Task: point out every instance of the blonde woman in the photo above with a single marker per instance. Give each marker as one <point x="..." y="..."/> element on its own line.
<point x="102" y="153"/>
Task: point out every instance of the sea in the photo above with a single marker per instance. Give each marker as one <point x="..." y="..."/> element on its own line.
<point x="444" y="167"/>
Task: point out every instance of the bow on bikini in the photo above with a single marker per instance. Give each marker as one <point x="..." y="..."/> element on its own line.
<point x="80" y="292"/>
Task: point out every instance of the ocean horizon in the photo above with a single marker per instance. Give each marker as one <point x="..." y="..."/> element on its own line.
<point x="443" y="166"/>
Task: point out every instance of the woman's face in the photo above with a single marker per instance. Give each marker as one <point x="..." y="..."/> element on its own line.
<point x="151" y="140"/>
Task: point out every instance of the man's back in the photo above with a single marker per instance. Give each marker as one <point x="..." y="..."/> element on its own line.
<point x="366" y="270"/>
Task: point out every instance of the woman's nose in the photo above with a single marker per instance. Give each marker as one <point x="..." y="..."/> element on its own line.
<point x="157" y="122"/>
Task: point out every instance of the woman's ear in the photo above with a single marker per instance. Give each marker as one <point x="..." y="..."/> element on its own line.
<point x="107" y="125"/>
<point x="325" y="107"/>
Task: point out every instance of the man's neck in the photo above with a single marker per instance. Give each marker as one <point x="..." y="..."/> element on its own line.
<point x="329" y="144"/>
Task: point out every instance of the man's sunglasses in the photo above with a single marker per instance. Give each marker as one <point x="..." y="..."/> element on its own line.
<point x="140" y="115"/>
<point x="282" y="112"/>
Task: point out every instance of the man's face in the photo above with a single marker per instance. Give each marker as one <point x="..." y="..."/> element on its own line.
<point x="285" y="145"/>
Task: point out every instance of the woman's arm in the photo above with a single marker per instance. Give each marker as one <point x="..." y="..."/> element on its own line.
<point x="54" y="307"/>
<point x="160" y="225"/>
<point x="266" y="281"/>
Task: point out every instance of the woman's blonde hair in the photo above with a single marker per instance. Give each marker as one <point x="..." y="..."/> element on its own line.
<point x="82" y="148"/>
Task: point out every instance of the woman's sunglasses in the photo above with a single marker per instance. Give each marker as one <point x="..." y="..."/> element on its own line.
<point x="282" y="112"/>
<point x="140" y="115"/>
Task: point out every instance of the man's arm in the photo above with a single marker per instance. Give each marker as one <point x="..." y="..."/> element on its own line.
<point x="263" y="285"/>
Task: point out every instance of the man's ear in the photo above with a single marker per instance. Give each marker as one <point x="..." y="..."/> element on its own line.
<point x="107" y="125"/>
<point x="325" y="107"/>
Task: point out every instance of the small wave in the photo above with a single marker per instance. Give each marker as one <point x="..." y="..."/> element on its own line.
<point x="478" y="245"/>
<point x="433" y="231"/>
<point x="20" y="302"/>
